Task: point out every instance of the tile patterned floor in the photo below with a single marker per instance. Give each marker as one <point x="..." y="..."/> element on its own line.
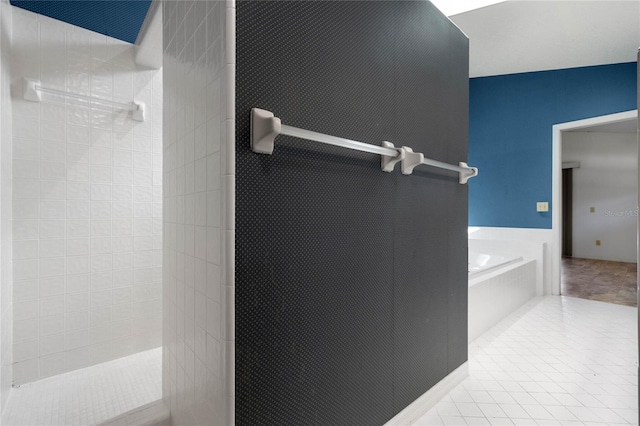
<point x="555" y="361"/>
<point x="602" y="280"/>
<point x="90" y="395"/>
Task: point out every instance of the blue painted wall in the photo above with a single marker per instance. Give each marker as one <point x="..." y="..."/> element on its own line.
<point x="510" y="136"/>
<point x="119" y="19"/>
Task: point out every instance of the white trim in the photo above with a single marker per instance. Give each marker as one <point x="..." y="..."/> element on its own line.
<point x="556" y="178"/>
<point x="430" y="398"/>
<point x="571" y="165"/>
<point x="228" y="195"/>
<point x="532" y="243"/>
<point x="149" y="42"/>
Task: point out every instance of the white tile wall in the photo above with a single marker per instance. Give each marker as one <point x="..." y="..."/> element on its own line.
<point x="87" y="203"/>
<point x="199" y="183"/>
<point x="6" y="272"/>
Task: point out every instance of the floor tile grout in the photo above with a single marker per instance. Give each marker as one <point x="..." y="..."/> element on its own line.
<point x="90" y="395"/>
<point x="555" y="361"/>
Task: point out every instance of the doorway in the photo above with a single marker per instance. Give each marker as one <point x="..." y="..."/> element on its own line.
<point x="585" y="208"/>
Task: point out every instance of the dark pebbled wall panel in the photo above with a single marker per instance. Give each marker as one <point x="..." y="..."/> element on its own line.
<point x="351" y="297"/>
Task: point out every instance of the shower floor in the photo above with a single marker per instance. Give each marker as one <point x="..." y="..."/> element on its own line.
<point x="90" y="395"/>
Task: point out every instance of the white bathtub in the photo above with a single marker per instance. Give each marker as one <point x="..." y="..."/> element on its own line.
<point x="498" y="285"/>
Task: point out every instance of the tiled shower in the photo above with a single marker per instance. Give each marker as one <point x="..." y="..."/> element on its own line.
<point x="92" y="238"/>
<point x="87" y="202"/>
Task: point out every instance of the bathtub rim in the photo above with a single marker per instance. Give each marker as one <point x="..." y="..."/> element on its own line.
<point x="504" y="264"/>
<point x="477" y="279"/>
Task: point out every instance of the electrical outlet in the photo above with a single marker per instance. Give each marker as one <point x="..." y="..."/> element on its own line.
<point x="542" y="206"/>
<point x="598" y="243"/>
<point x="592" y="209"/>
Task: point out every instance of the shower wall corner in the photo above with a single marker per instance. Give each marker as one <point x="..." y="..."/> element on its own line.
<point x="6" y="194"/>
<point x="199" y="211"/>
<point x="87" y="211"/>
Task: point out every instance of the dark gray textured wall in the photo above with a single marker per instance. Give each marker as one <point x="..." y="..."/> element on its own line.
<point x="351" y="283"/>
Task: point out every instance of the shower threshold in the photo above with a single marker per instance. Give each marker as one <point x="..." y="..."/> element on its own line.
<point x="88" y="396"/>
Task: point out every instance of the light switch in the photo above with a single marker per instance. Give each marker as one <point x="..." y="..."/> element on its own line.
<point x="542" y="206"/>
<point x="592" y="209"/>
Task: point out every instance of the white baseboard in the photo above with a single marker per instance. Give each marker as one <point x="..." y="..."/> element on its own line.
<point x="430" y="398"/>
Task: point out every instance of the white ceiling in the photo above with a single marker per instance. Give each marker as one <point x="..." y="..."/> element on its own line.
<point x="520" y="36"/>
<point x="453" y="7"/>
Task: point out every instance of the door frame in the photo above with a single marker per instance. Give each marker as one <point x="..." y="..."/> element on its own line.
<point x="556" y="179"/>
<point x="567" y="216"/>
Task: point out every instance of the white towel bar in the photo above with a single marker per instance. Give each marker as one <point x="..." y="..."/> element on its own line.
<point x="265" y="127"/>
<point x="32" y="92"/>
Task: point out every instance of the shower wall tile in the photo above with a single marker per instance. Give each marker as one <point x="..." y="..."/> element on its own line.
<point x="6" y="241"/>
<point x="87" y="274"/>
<point x="198" y="211"/>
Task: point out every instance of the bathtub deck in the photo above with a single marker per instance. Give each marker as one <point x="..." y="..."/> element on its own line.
<point x="613" y="282"/>
<point x="496" y="295"/>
